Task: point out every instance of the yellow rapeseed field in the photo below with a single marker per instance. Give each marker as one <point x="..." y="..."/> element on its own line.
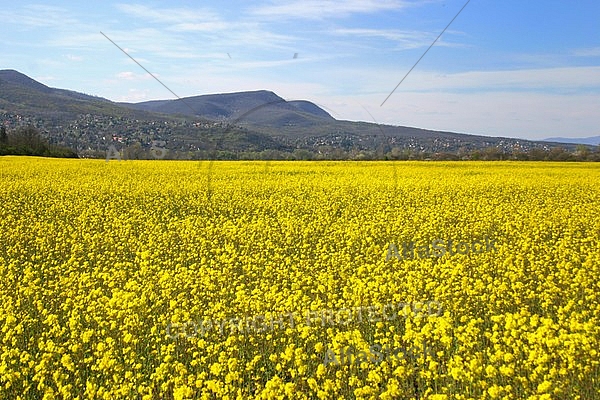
<point x="299" y="280"/>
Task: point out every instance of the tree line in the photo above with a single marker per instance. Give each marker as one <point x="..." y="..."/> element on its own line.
<point x="27" y="141"/>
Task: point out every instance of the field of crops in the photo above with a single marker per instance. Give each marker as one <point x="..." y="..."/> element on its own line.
<point x="303" y="280"/>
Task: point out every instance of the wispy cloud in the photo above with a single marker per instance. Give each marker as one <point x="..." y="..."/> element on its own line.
<point x="207" y="26"/>
<point x="214" y="30"/>
<point x="527" y="115"/>
<point x="589" y="52"/>
<point x="319" y="9"/>
<point x="74" y="58"/>
<point x="169" y="15"/>
<point x="548" y="79"/>
<point x="131" y="76"/>
<point x="134" y="96"/>
<point x="270" y="63"/>
<point x="404" y="39"/>
<point x="149" y="44"/>
<point x="379" y="81"/>
<point x="39" y="16"/>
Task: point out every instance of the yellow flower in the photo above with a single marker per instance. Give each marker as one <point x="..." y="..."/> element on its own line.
<point x="98" y="259"/>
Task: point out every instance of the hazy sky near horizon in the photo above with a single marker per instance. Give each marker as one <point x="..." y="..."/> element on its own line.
<point x="525" y="69"/>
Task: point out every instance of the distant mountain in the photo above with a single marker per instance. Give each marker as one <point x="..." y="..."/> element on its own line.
<point x="22" y="95"/>
<point x="223" y="125"/>
<point x="10" y="76"/>
<point x="90" y="124"/>
<point x="593" y="140"/>
<point x="257" y="107"/>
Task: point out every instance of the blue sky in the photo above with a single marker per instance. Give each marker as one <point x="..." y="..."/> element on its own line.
<point x="525" y="69"/>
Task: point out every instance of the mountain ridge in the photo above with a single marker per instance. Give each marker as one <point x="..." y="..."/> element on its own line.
<point x="591" y="140"/>
<point x="223" y="106"/>
<point x="226" y="124"/>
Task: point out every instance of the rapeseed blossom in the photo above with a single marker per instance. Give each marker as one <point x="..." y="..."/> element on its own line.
<point x="97" y="259"/>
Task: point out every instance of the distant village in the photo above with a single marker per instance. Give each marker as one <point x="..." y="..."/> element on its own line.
<point x="89" y="136"/>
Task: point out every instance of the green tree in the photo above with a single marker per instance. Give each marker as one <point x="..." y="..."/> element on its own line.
<point x="560" y="154"/>
<point x="3" y="135"/>
<point x="582" y="151"/>
<point x="492" y="154"/>
<point x="135" y="152"/>
<point x="302" y="154"/>
<point x="537" y="154"/>
<point x="27" y="141"/>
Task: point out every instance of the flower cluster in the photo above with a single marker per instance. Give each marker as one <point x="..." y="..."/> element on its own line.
<point x="97" y="259"/>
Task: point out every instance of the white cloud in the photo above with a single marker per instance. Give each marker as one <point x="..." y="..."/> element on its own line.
<point x="39" y="16"/>
<point x="589" y="52"/>
<point x="134" y="96"/>
<point x="318" y="9"/>
<point x="71" y="57"/>
<point x="406" y="39"/>
<point x="210" y="30"/>
<point x="209" y="26"/>
<point x="78" y="41"/>
<point x="506" y="114"/>
<point x="169" y="15"/>
<point x="126" y="75"/>
<point x="574" y="78"/>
